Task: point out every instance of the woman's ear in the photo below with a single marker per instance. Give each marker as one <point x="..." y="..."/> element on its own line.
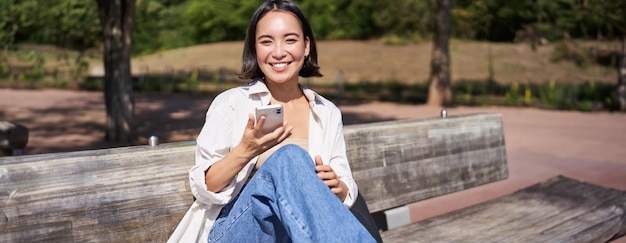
<point x="307" y="46"/>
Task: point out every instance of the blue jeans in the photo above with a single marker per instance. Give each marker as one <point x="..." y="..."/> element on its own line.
<point x="285" y="201"/>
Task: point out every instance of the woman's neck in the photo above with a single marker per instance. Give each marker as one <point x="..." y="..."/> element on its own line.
<point x="284" y="92"/>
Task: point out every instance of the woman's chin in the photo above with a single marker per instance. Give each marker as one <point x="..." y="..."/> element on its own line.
<point x="280" y="79"/>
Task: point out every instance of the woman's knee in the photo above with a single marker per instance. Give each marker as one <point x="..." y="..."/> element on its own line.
<point x="291" y="149"/>
<point x="293" y="155"/>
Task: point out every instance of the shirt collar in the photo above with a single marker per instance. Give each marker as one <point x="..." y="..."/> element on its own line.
<point x="258" y="87"/>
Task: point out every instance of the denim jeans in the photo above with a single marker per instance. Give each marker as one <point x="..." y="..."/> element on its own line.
<point x="285" y="201"/>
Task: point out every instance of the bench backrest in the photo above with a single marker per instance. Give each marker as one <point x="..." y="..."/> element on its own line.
<point x="399" y="162"/>
<point x="140" y="193"/>
<point x="130" y="194"/>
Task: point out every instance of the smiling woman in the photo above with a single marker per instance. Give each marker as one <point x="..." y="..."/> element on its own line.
<point x="290" y="184"/>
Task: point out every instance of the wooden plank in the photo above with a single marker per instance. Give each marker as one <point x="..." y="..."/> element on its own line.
<point x="399" y="162"/>
<point x="127" y="194"/>
<point x="557" y="210"/>
<point x="92" y="153"/>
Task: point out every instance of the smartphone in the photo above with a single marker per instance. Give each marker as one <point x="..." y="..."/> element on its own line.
<point x="273" y="117"/>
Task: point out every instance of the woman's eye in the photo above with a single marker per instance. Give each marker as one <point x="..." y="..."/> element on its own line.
<point x="265" y="42"/>
<point x="292" y="41"/>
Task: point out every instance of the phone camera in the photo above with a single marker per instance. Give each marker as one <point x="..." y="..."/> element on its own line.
<point x="278" y="111"/>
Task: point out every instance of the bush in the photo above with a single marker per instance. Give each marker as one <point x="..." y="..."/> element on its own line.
<point x="513" y="97"/>
<point x="552" y="95"/>
<point x="5" y="70"/>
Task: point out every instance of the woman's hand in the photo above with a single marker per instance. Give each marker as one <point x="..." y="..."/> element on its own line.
<point x="255" y="142"/>
<point x="328" y="175"/>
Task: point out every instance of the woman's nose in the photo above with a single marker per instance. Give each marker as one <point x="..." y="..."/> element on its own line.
<point x="279" y="51"/>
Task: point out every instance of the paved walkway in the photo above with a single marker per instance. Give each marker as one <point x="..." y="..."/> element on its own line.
<point x="540" y="143"/>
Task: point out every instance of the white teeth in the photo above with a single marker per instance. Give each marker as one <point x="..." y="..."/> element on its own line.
<point x="279" y="65"/>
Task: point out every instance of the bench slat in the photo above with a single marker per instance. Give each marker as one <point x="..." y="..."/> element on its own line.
<point x="557" y="210"/>
<point x="132" y="194"/>
<point x="398" y="162"/>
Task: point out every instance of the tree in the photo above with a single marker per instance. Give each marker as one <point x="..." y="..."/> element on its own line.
<point x="116" y="18"/>
<point x="440" y="91"/>
<point x="8" y="25"/>
<point x="621" y="83"/>
<point x="614" y="14"/>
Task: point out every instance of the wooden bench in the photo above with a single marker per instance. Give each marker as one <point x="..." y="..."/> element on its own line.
<point x="396" y="163"/>
<point x="139" y="193"/>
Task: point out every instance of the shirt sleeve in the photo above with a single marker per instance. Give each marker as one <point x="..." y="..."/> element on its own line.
<point x="339" y="161"/>
<point x="213" y="143"/>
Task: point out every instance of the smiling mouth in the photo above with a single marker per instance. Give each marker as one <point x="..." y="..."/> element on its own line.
<point x="280" y="65"/>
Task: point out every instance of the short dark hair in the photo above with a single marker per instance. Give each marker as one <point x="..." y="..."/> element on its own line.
<point x="249" y="66"/>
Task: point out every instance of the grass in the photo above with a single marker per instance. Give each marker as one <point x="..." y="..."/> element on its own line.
<point x="373" y="61"/>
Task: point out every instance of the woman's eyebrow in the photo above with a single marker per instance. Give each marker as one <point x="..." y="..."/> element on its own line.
<point x="286" y="35"/>
<point x="292" y="33"/>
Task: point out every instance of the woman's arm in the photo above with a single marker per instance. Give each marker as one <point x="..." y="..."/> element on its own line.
<point x="339" y="161"/>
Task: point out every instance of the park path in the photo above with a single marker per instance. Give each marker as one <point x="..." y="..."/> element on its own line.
<point x="540" y="143"/>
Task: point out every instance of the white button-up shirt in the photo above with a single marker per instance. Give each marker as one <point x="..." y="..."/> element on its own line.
<point x="225" y="122"/>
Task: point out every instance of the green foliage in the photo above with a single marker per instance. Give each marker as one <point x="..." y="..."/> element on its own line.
<point x="468" y="92"/>
<point x="66" y="23"/>
<point x="606" y="17"/>
<point x="92" y="84"/>
<point x="552" y="19"/>
<point x="8" y="23"/>
<point x="597" y="93"/>
<point x="80" y="67"/>
<point x="5" y="69"/>
<point x="211" y="21"/>
<point x="553" y="95"/>
<point x="528" y="95"/>
<point x="321" y="15"/>
<point x="167" y="24"/>
<point x="159" y="25"/>
<point x="588" y="96"/>
<point x="513" y="97"/>
<point x="78" y="24"/>
<point x="412" y="19"/>
<point x="355" y="19"/>
<point x="523" y="20"/>
<point x="218" y="20"/>
<point x="37" y="70"/>
<point x="192" y="84"/>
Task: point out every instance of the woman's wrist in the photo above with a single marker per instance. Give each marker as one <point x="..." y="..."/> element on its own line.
<point x="344" y="191"/>
<point x="241" y="154"/>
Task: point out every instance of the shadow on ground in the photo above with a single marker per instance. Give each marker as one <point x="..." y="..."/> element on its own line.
<point x="78" y="123"/>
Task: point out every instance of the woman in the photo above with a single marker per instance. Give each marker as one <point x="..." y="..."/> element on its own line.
<point x="291" y="184"/>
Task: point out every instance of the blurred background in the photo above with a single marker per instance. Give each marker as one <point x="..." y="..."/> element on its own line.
<point x="147" y="61"/>
<point x="557" y="53"/>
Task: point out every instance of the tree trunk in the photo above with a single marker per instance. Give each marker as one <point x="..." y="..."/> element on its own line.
<point x="621" y="83"/>
<point x="116" y="17"/>
<point x="439" y="91"/>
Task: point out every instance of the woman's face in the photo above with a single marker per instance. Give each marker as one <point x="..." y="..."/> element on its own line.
<point x="280" y="46"/>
